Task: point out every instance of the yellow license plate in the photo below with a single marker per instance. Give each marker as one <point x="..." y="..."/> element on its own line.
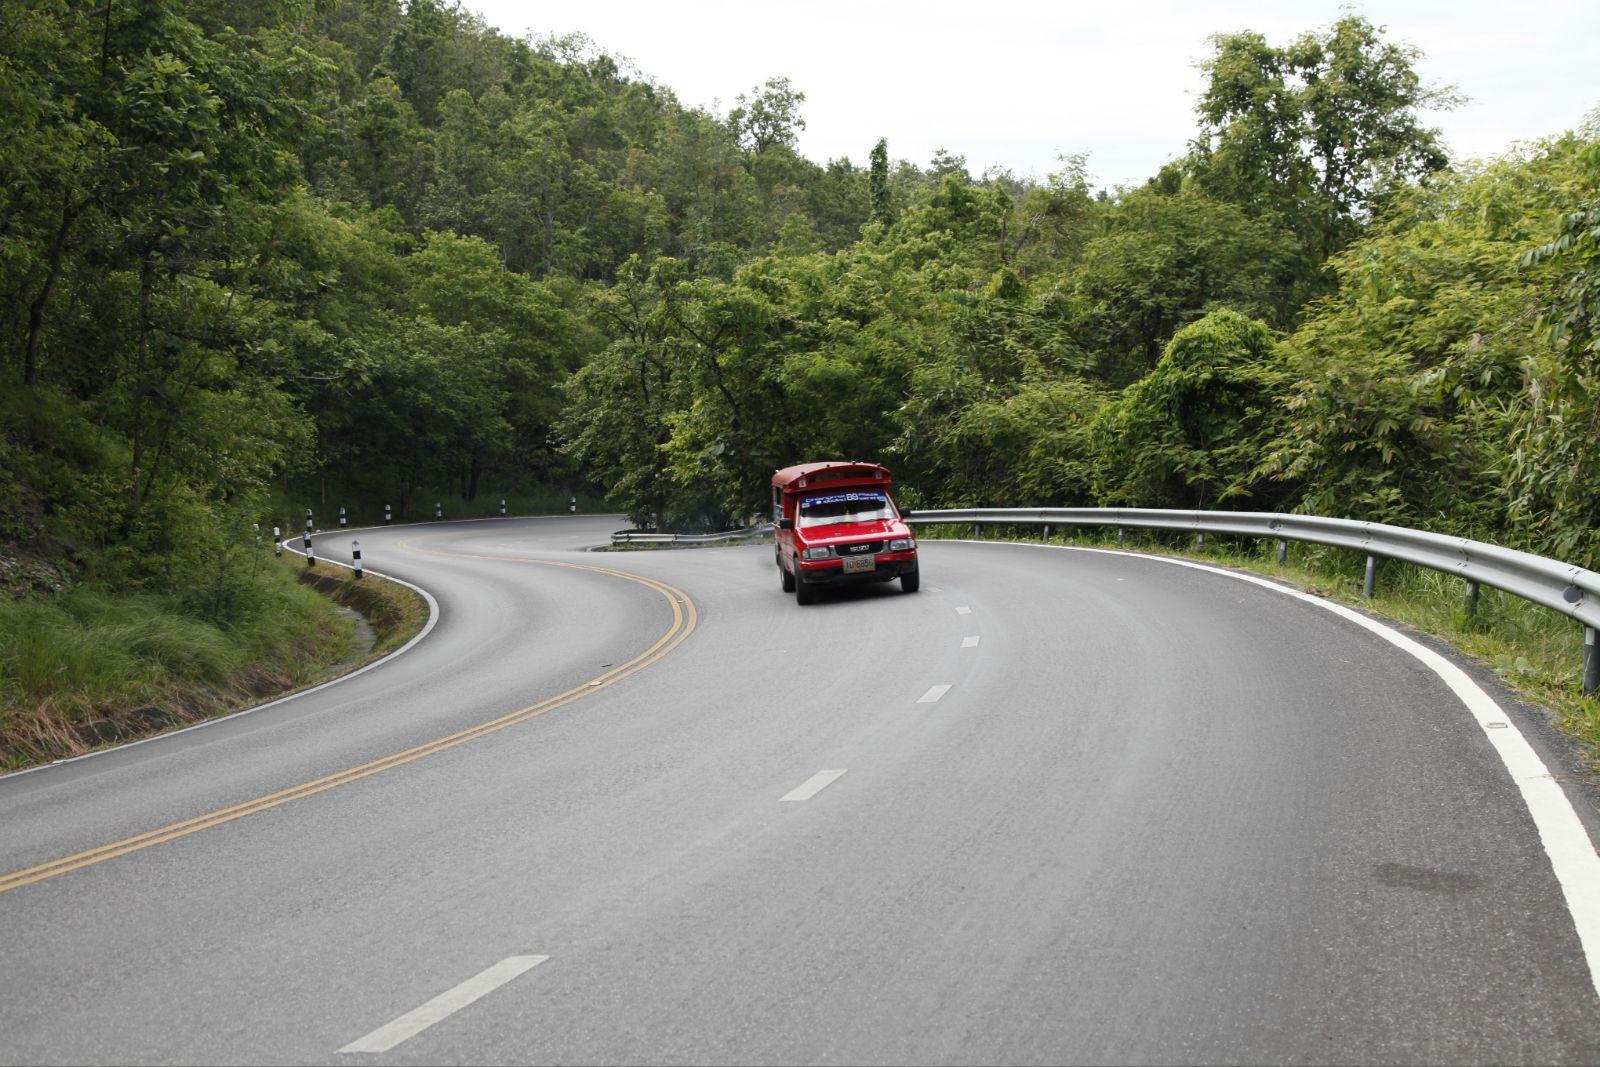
<point x="859" y="564"/>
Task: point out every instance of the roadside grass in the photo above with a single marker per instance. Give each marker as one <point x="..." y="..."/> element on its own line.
<point x="87" y="668"/>
<point x="1534" y="652"/>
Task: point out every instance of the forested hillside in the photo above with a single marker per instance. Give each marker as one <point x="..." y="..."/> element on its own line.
<point x="254" y="250"/>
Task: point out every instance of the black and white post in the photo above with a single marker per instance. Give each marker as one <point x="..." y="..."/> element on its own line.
<point x="438" y="510"/>
<point x="311" y="551"/>
<point x="573" y="506"/>
<point x="1591" y="661"/>
<point x="387" y="516"/>
<point x="277" y="541"/>
<point x="355" y="557"/>
<point x="308" y="520"/>
<point x="502" y="507"/>
<point x="341" y="514"/>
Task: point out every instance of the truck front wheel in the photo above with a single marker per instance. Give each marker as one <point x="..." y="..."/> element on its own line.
<point x="911" y="580"/>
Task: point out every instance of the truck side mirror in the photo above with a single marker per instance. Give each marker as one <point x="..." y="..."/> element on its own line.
<point x="785" y="524"/>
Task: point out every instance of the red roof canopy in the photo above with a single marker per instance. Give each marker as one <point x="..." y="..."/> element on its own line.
<point x="831" y="471"/>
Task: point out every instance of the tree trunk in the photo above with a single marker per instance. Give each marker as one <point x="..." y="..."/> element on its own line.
<point x="58" y="244"/>
<point x="147" y="274"/>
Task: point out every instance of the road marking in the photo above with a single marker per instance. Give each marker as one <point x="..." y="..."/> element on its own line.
<point x="685" y="618"/>
<point x="812" y="786"/>
<point x="1572" y="854"/>
<point x="444" y="1005"/>
<point x="932" y="695"/>
<point x="963" y="610"/>
<point x="969" y="642"/>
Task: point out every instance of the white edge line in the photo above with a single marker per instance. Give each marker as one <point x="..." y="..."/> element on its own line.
<point x="444" y="1005"/>
<point x="812" y="786"/>
<point x="1572" y="854"/>
<point x="427" y="628"/>
<point x="933" y="694"/>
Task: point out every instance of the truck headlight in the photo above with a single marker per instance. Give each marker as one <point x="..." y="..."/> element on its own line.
<point x="822" y="552"/>
<point x="902" y="544"/>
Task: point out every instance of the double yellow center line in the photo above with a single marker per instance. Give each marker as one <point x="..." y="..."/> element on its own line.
<point x="684" y="620"/>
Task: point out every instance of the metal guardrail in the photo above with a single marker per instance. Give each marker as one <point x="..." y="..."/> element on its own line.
<point x="639" y="537"/>
<point x="1562" y="587"/>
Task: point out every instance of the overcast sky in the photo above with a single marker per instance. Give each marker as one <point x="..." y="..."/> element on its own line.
<point x="1019" y="84"/>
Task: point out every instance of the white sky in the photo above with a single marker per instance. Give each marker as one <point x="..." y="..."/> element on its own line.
<point x="1021" y="83"/>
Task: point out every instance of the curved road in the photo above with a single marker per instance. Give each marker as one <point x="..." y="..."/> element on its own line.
<point x="1158" y="815"/>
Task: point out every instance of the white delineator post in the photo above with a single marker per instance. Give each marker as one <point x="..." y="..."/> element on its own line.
<point x="502" y="507"/>
<point x="438" y="510"/>
<point x="277" y="541"/>
<point x="341" y="514"/>
<point x="386" y="515"/>
<point x="311" y="551"/>
<point x="355" y="557"/>
<point x="573" y="507"/>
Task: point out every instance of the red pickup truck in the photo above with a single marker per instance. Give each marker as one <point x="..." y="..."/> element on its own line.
<point x="837" y="524"/>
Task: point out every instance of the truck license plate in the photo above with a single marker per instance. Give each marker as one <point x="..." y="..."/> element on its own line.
<point x="859" y="564"/>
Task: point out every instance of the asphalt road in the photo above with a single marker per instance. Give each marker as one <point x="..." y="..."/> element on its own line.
<point x="1158" y="815"/>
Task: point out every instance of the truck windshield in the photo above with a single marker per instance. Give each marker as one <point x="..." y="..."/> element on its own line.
<point x="829" y="508"/>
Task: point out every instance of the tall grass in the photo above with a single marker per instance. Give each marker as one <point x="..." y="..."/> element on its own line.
<point x="89" y="666"/>
<point x="1535" y="652"/>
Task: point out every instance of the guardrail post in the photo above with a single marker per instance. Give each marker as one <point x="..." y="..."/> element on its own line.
<point x="1047" y="531"/>
<point x="1591" y="661"/>
<point x="355" y="557"/>
<point x="1283" y="551"/>
<point x="1372" y="574"/>
<point x="1470" y="604"/>
<point x="977" y="531"/>
<point x="1199" y="541"/>
<point x="1119" y="537"/>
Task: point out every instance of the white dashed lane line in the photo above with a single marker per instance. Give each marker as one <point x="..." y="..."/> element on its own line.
<point x="812" y="786"/>
<point x="963" y="610"/>
<point x="444" y="1005"/>
<point x="970" y="641"/>
<point x="932" y="695"/>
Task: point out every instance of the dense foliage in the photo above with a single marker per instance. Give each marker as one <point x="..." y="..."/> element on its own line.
<point x="248" y="248"/>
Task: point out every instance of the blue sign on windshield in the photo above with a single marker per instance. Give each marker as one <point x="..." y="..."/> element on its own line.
<point x="871" y="496"/>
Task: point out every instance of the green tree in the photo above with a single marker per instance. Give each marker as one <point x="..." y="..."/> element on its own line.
<point x="1189" y="433"/>
<point x="1317" y="131"/>
<point x="878" y="183"/>
<point x="768" y="116"/>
